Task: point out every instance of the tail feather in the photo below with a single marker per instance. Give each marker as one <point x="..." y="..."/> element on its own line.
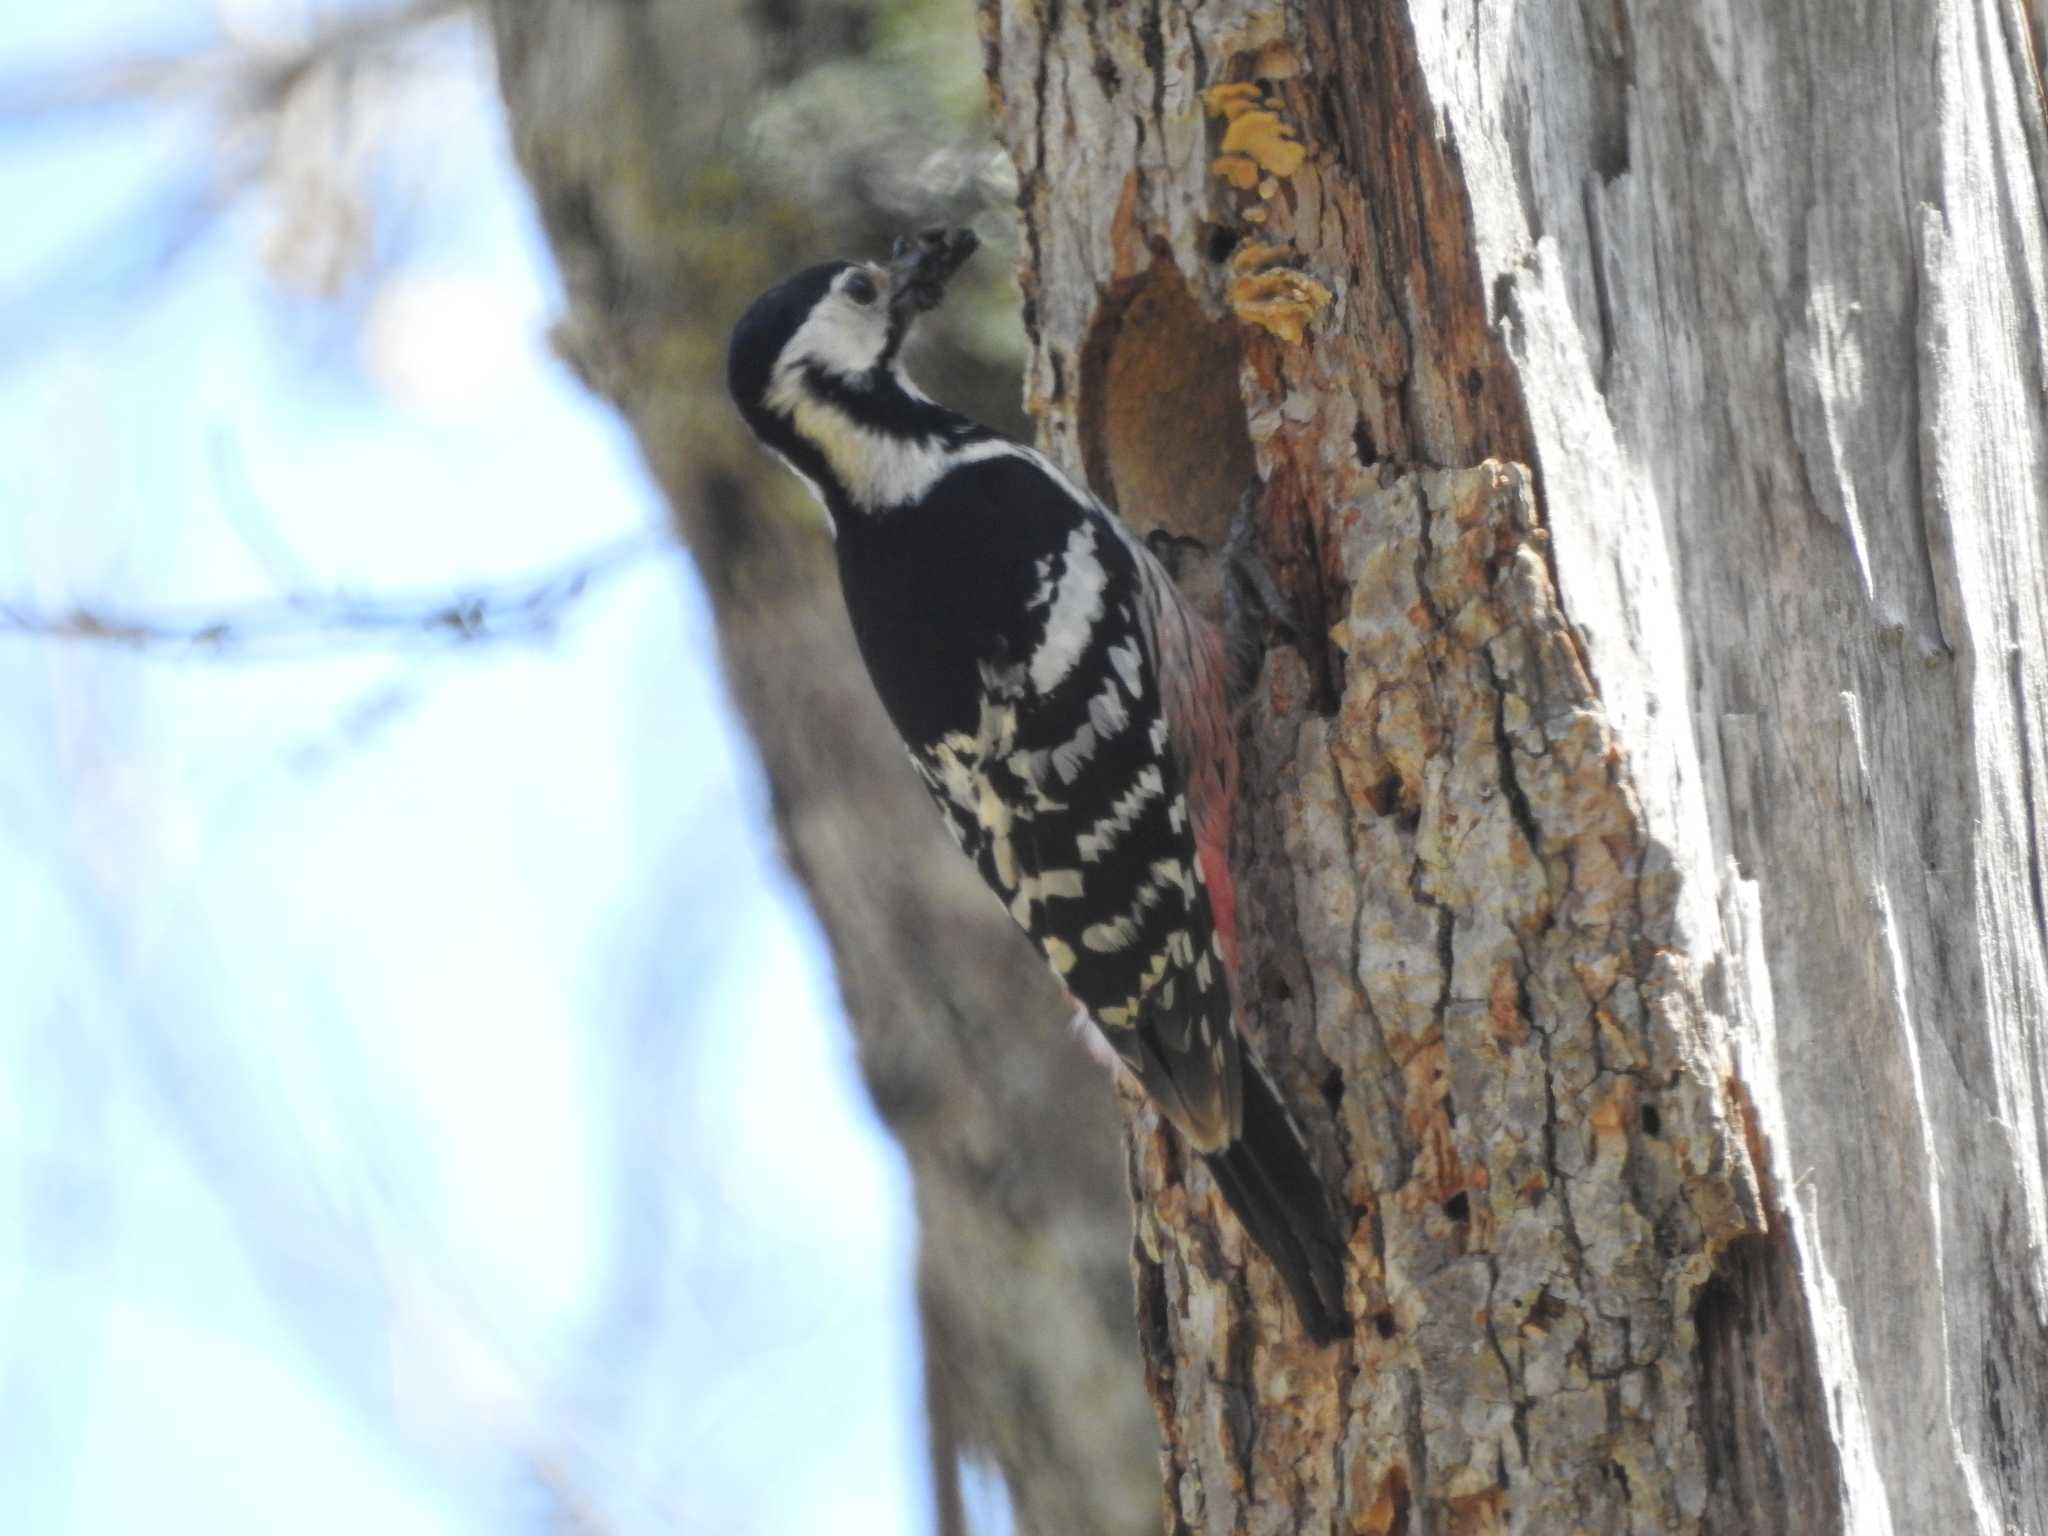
<point x="1268" y="1181"/>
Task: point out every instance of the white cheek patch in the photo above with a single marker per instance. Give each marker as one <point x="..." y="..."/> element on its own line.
<point x="838" y="336"/>
<point x="877" y="469"/>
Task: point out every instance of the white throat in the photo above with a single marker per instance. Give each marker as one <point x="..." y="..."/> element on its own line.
<point x="876" y="469"/>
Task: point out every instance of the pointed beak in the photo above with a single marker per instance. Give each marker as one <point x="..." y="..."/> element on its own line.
<point x="921" y="265"/>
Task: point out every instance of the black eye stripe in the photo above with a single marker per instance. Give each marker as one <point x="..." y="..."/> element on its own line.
<point x="860" y="288"/>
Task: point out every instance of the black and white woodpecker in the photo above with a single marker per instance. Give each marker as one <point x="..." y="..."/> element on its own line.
<point x="1064" y="705"/>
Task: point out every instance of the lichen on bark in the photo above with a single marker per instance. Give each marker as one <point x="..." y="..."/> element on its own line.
<point x="1463" y="953"/>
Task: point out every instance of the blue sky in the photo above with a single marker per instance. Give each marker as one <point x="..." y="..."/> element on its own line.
<point x="424" y="1105"/>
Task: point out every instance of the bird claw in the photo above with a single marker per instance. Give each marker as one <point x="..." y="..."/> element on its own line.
<point x="1233" y="588"/>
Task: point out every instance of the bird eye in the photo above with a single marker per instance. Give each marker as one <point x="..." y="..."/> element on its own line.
<point x="860" y="288"/>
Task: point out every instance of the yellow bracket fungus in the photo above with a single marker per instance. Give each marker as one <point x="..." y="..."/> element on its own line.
<point x="1256" y="254"/>
<point x="1230" y="99"/>
<point x="1267" y="140"/>
<point x="1259" y="150"/>
<point x="1279" y="299"/>
<point x="1241" y="171"/>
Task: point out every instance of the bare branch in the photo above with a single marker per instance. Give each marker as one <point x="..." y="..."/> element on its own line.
<point x="316" y="623"/>
<point x="255" y="76"/>
<point x="296" y="119"/>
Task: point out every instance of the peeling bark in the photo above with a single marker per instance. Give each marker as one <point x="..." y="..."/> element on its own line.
<point x="1641" y="861"/>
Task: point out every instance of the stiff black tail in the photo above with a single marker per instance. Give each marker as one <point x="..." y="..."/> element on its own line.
<point x="1267" y="1179"/>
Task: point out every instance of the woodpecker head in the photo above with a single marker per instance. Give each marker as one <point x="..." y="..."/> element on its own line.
<point x="814" y="367"/>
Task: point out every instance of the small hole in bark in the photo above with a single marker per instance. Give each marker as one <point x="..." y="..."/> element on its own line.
<point x="1383" y="1322"/>
<point x="1362" y="444"/>
<point x="1106" y="76"/>
<point x="1543" y="1311"/>
<point x="1169" y="1159"/>
<point x="1653" y="1123"/>
<point x="1219" y="242"/>
<point x="1475" y="382"/>
<point x="1333" y="1089"/>
<point x="1500" y="556"/>
<point x="1385" y="796"/>
<point x="1154" y="1310"/>
<point x="1458" y="1207"/>
<point x="1386" y="1507"/>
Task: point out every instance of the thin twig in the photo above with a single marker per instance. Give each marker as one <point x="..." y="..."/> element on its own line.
<point x="255" y="75"/>
<point x="316" y="623"/>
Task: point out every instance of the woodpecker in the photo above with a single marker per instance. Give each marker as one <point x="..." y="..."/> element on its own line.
<point x="1064" y="705"/>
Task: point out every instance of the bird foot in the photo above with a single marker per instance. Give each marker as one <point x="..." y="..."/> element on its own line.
<point x="1234" y="589"/>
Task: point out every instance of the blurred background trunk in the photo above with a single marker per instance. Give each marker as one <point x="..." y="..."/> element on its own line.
<point x="1642" y="863"/>
<point x="668" y="210"/>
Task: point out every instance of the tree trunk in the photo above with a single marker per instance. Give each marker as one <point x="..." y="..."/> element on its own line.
<point x="621" y="118"/>
<point x="1643" y="852"/>
<point x="1641" y="855"/>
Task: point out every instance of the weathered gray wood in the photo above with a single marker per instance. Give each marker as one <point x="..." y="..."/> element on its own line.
<point x="1759" y="295"/>
<point x="1774" y="281"/>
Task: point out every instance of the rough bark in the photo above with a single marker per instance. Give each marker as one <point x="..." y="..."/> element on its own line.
<point x="1643" y="860"/>
<point x="663" y="232"/>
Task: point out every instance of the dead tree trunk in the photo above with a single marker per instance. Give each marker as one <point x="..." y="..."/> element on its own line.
<point x="1645" y="869"/>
